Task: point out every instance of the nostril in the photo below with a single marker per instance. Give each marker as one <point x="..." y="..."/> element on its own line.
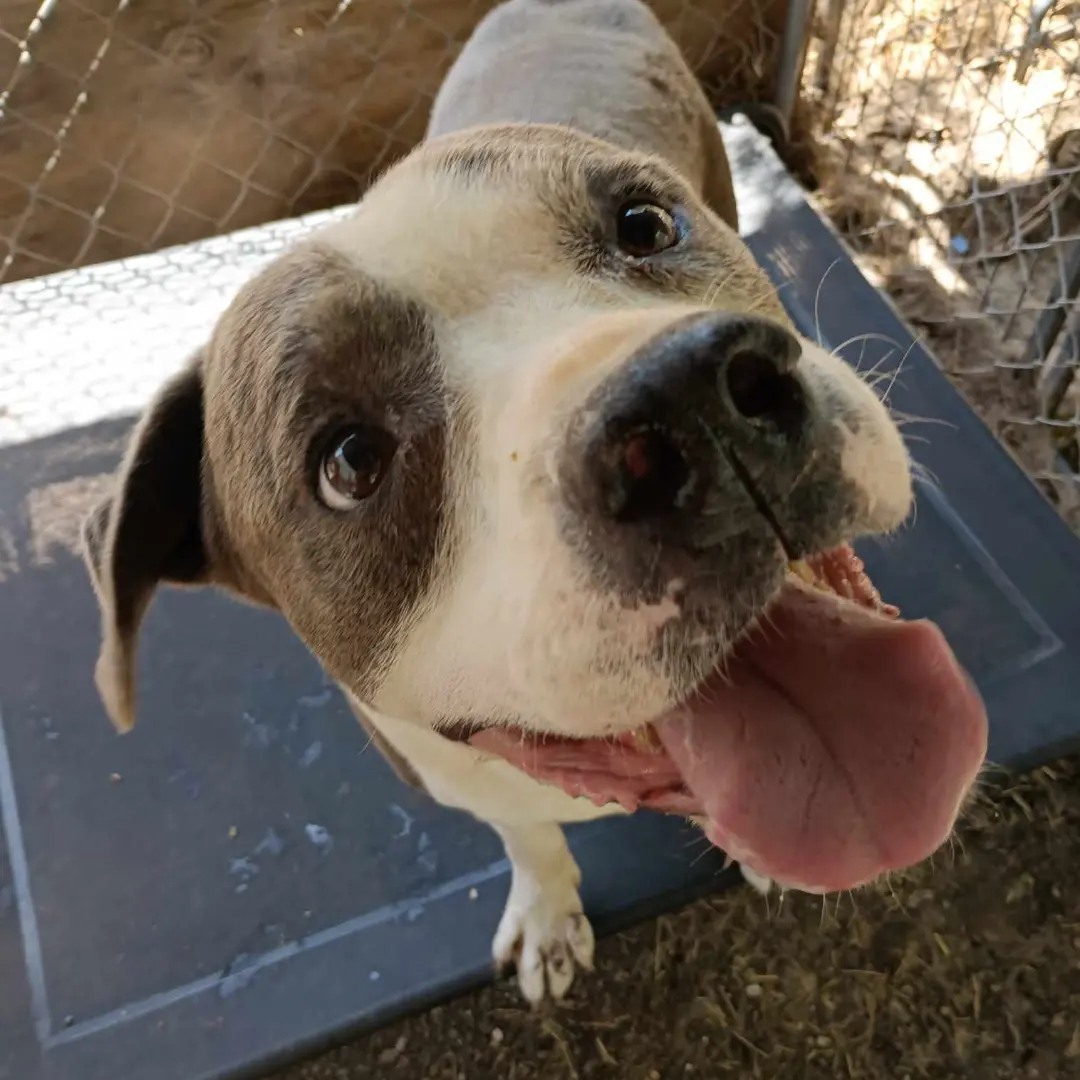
<point x="762" y="393"/>
<point x="649" y="477"/>
<point x="754" y="384"/>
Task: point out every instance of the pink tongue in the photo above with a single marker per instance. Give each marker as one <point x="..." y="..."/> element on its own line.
<point x="839" y="745"/>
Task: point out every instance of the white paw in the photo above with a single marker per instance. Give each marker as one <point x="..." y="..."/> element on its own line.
<point x="546" y="933"/>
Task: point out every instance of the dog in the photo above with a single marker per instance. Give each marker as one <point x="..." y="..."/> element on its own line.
<point x="528" y="453"/>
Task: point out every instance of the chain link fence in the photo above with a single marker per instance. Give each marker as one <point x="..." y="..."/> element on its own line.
<point x="948" y="150"/>
<point x="170" y="148"/>
<point x="131" y="125"/>
<point x="947" y="140"/>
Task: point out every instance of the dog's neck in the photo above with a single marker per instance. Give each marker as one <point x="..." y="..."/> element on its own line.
<point x="604" y="69"/>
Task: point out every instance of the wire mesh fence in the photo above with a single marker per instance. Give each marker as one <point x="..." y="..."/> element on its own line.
<point x="141" y="130"/>
<point x="130" y="125"/>
<point x="949" y="154"/>
<point x="84" y="345"/>
<point x="949" y="150"/>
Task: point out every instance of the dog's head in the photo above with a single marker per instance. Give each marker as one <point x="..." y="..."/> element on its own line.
<point x="522" y="450"/>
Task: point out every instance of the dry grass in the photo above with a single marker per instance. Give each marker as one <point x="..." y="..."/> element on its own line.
<point x="967" y="968"/>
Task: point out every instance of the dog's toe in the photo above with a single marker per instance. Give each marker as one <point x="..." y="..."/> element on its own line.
<point x="559" y="967"/>
<point x="582" y="940"/>
<point x="549" y="939"/>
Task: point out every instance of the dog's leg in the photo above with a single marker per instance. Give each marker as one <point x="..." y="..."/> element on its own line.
<point x="543" y="927"/>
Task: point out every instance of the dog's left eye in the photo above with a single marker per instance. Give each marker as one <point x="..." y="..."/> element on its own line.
<point x="354" y="466"/>
<point x="644" y="229"/>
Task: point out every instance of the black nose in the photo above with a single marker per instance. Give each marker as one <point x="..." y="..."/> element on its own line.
<point x="711" y="393"/>
<point x="760" y="386"/>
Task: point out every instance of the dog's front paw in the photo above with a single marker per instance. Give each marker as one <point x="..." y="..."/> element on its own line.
<point x="548" y="936"/>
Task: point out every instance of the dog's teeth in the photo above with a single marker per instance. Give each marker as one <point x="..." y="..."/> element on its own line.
<point x="801" y="569"/>
<point x="759" y="882"/>
<point x="645" y="738"/>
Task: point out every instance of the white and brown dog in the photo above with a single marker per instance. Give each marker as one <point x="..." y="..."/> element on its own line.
<point x="528" y="454"/>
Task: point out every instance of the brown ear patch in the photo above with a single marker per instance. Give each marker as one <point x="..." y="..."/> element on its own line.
<point x="147" y="532"/>
<point x="94" y="530"/>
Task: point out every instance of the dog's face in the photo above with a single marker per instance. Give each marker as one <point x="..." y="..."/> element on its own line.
<point x="524" y="450"/>
<point x="527" y="439"/>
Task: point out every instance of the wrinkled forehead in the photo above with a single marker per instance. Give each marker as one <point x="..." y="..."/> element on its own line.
<point x="478" y="251"/>
<point x="466" y="219"/>
<point x="314" y="323"/>
<point x="464" y="226"/>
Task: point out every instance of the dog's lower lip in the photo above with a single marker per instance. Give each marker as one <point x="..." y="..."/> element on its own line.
<point x="798" y="571"/>
<point x="461" y="731"/>
<point x="844" y="581"/>
<point x="831" y="747"/>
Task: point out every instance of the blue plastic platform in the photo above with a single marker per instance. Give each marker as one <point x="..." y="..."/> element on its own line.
<point x="240" y="879"/>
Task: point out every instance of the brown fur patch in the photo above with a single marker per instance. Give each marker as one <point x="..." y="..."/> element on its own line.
<point x="311" y="347"/>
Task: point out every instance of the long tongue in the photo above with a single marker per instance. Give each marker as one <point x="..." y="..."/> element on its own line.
<point x="839" y="744"/>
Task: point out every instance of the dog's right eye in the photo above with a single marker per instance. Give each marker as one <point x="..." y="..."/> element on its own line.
<point x="354" y="466"/>
<point x="644" y="229"/>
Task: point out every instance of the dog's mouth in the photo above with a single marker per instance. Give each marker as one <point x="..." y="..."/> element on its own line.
<point x="835" y="743"/>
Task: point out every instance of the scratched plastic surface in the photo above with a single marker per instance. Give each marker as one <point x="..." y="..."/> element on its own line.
<point x="242" y="873"/>
<point x="241" y="877"/>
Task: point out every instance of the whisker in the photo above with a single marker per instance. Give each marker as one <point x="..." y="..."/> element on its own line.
<point x="868" y="377"/>
<point x="899" y="368"/>
<point x="701" y="855"/>
<point x="903" y="419"/>
<point x="896" y="899"/>
<point x="877" y="380"/>
<point x="926" y="475"/>
<point x="817" y="302"/>
<point x="865" y="338"/>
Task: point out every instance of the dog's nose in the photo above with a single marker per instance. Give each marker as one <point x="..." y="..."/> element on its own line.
<point x="714" y="398"/>
<point x="756" y="369"/>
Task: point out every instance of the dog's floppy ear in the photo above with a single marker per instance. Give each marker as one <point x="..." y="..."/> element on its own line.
<point x="147" y="532"/>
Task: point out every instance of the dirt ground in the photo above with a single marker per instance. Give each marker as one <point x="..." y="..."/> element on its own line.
<point x="966" y="968"/>
<point x="133" y="127"/>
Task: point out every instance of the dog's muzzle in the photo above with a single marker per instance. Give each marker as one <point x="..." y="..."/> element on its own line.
<point x="707" y="443"/>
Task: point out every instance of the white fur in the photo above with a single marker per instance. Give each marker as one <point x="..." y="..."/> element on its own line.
<point x="875" y="459"/>
<point x="513" y="630"/>
<point x="543" y="927"/>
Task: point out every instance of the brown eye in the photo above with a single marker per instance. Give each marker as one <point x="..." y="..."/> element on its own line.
<point x="644" y="229"/>
<point x="354" y="466"/>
